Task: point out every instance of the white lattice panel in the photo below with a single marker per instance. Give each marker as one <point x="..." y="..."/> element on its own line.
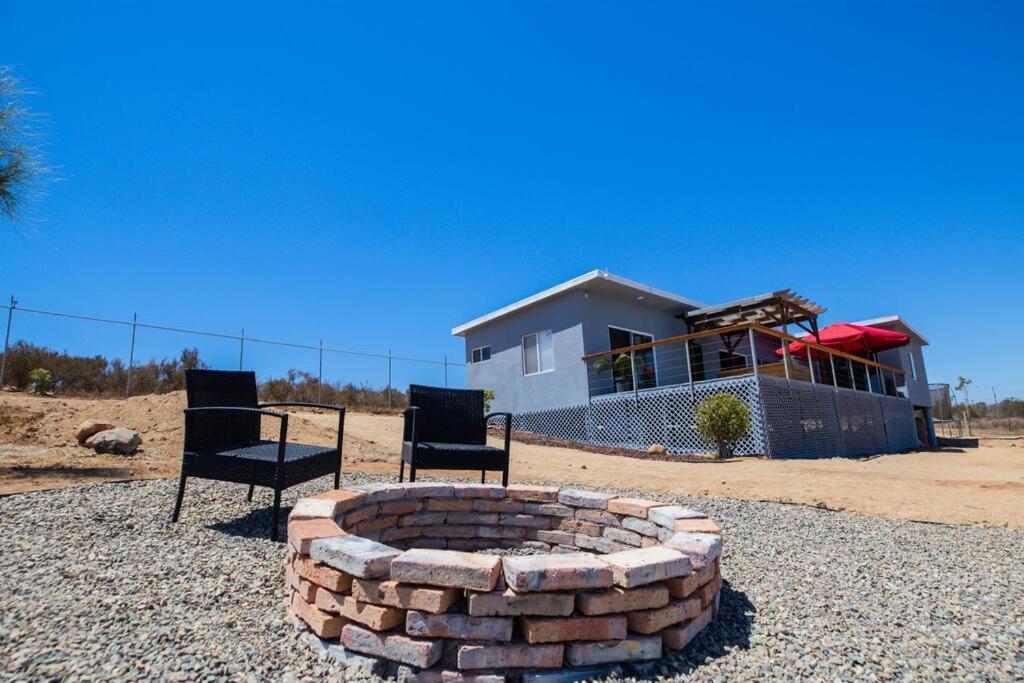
<point x="789" y="419"/>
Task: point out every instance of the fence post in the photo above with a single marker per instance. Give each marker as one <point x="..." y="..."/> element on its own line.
<point x="320" y="381"/>
<point x="241" y="348"/>
<point x="445" y="361"/>
<point x="689" y="370"/>
<point x="832" y="363"/>
<point x="389" y="378"/>
<point x="131" y="357"/>
<point x="7" y="339"/>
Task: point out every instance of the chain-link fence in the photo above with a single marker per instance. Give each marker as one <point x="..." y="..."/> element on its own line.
<point x="61" y="353"/>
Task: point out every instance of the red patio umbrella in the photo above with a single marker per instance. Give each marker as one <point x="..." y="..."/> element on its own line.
<point x="850" y="338"/>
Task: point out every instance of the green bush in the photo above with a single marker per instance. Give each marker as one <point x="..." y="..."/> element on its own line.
<point x="723" y="420"/>
<point x="488" y="397"/>
<point x="40" y="382"/>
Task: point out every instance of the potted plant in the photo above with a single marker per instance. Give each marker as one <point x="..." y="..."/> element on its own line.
<point x="723" y="420"/>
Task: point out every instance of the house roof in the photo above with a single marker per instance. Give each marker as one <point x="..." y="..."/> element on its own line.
<point x="596" y="280"/>
<point x="895" y="321"/>
<point x="770" y="309"/>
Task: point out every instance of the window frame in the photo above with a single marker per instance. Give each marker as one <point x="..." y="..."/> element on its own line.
<point x="481" y="350"/>
<point x="913" y="364"/>
<point x="632" y="354"/>
<point x="522" y="347"/>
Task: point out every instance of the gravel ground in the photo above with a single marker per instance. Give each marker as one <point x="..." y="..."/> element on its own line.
<point x="97" y="585"/>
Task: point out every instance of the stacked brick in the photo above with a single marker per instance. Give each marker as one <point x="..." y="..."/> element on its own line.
<point x="388" y="571"/>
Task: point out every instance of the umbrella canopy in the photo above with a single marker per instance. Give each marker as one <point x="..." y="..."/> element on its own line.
<point x="850" y="338"/>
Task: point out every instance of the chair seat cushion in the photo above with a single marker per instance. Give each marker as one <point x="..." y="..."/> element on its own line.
<point x="433" y="454"/>
<point x="266" y="451"/>
<point x="256" y="462"/>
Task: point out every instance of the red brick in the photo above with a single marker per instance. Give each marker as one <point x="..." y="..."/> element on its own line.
<point x="458" y="626"/>
<point x="423" y="519"/>
<point x="556" y="572"/>
<point x="447" y="568"/>
<point x="400" y="507"/>
<point x="395" y="594"/>
<point x="449" y="531"/>
<point x="322" y="575"/>
<point x="476" y="518"/>
<point x="400" y="533"/>
<point x="500" y="532"/>
<point x="702" y="549"/>
<point x="313" y="508"/>
<point x="553" y="536"/>
<point x="599" y="517"/>
<point x="580" y="498"/>
<point x="377" y="617"/>
<point x="641" y="566"/>
<point x="618" y="535"/>
<point x="619" y="600"/>
<point x="536" y="494"/>
<point x="376" y="524"/>
<point x="346" y="500"/>
<point x="487" y="505"/>
<point x="510" y="656"/>
<point x="323" y="624"/>
<point x="508" y="603"/>
<point x="301" y="533"/>
<point x="549" y="509"/>
<point x="635" y="507"/>
<point x="601" y="545"/>
<point x="445" y="505"/>
<point x="699" y="526"/>
<point x="418" y="652"/>
<point x="683" y="586"/>
<point x="530" y="521"/>
<point x="577" y="527"/>
<point x="351" y="518"/>
<point x="678" y="637"/>
<point x="609" y="651"/>
<point x="653" y="620"/>
<point x="709" y="590"/>
<point x="479" y="490"/>
<point x="561" y="629"/>
<point x="305" y="588"/>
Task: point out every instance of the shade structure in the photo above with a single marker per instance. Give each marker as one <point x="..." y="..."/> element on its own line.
<point x="851" y="338"/>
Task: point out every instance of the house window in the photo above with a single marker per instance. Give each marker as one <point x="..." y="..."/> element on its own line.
<point x="482" y="354"/>
<point x="638" y="364"/>
<point x="538" y="353"/>
<point x="913" y="365"/>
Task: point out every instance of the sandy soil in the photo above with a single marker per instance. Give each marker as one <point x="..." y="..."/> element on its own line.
<point x="977" y="485"/>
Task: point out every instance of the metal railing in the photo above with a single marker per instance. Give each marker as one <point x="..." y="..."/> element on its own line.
<point x="117" y="369"/>
<point x="747" y="349"/>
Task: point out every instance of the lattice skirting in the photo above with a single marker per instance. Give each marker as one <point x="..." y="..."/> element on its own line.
<point x="789" y="419"/>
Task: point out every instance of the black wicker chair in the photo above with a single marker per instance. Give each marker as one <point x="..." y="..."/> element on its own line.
<point x="446" y="429"/>
<point x="222" y="439"/>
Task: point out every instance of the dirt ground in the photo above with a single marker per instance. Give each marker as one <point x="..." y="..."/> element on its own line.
<point x="974" y="485"/>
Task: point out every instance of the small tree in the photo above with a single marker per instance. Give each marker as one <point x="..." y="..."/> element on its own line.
<point x="961" y="385"/>
<point x="21" y="157"/>
<point x="488" y="397"/>
<point x="40" y="382"/>
<point x="723" y="420"/>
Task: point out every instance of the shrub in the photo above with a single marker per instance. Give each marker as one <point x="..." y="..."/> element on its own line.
<point x="488" y="397"/>
<point x="40" y="382"/>
<point x="723" y="420"/>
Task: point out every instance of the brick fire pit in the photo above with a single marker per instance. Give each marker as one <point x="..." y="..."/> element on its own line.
<point x="396" y="572"/>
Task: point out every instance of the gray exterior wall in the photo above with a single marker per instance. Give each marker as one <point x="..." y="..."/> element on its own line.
<point x="579" y="325"/>
<point x="503" y="374"/>
<point x="918" y="392"/>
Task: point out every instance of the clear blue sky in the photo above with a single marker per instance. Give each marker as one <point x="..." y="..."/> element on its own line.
<point x="374" y="174"/>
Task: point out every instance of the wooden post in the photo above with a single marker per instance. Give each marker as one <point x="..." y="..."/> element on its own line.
<point x="753" y="351"/>
<point x="131" y="357"/>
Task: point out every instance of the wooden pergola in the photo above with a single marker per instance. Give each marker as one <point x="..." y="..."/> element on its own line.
<point x="774" y="309"/>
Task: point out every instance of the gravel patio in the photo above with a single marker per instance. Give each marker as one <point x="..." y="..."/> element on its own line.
<point x="97" y="584"/>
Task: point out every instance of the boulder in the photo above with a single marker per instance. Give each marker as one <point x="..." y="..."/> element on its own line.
<point x="90" y="427"/>
<point x="119" y="440"/>
<point x="657" y="449"/>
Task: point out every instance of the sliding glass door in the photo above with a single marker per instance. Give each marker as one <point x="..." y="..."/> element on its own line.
<point x="633" y="367"/>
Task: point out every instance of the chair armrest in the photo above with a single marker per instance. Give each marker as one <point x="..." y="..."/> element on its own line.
<point x="508" y="427"/>
<point x="283" y="438"/>
<point x="300" y="404"/>
<point x="410" y="425"/>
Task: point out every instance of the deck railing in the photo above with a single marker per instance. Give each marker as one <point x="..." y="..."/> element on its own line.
<point x="748" y="349"/>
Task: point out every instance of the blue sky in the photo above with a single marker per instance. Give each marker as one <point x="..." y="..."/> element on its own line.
<point x="374" y="174"/>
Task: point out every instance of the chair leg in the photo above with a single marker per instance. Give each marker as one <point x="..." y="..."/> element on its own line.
<point x="483" y="476"/>
<point x="401" y="471"/>
<point x="337" y="477"/>
<point x="504" y="477"/>
<point x="248" y="498"/>
<point x="412" y="473"/>
<point x="276" y="515"/>
<point x="181" y="495"/>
